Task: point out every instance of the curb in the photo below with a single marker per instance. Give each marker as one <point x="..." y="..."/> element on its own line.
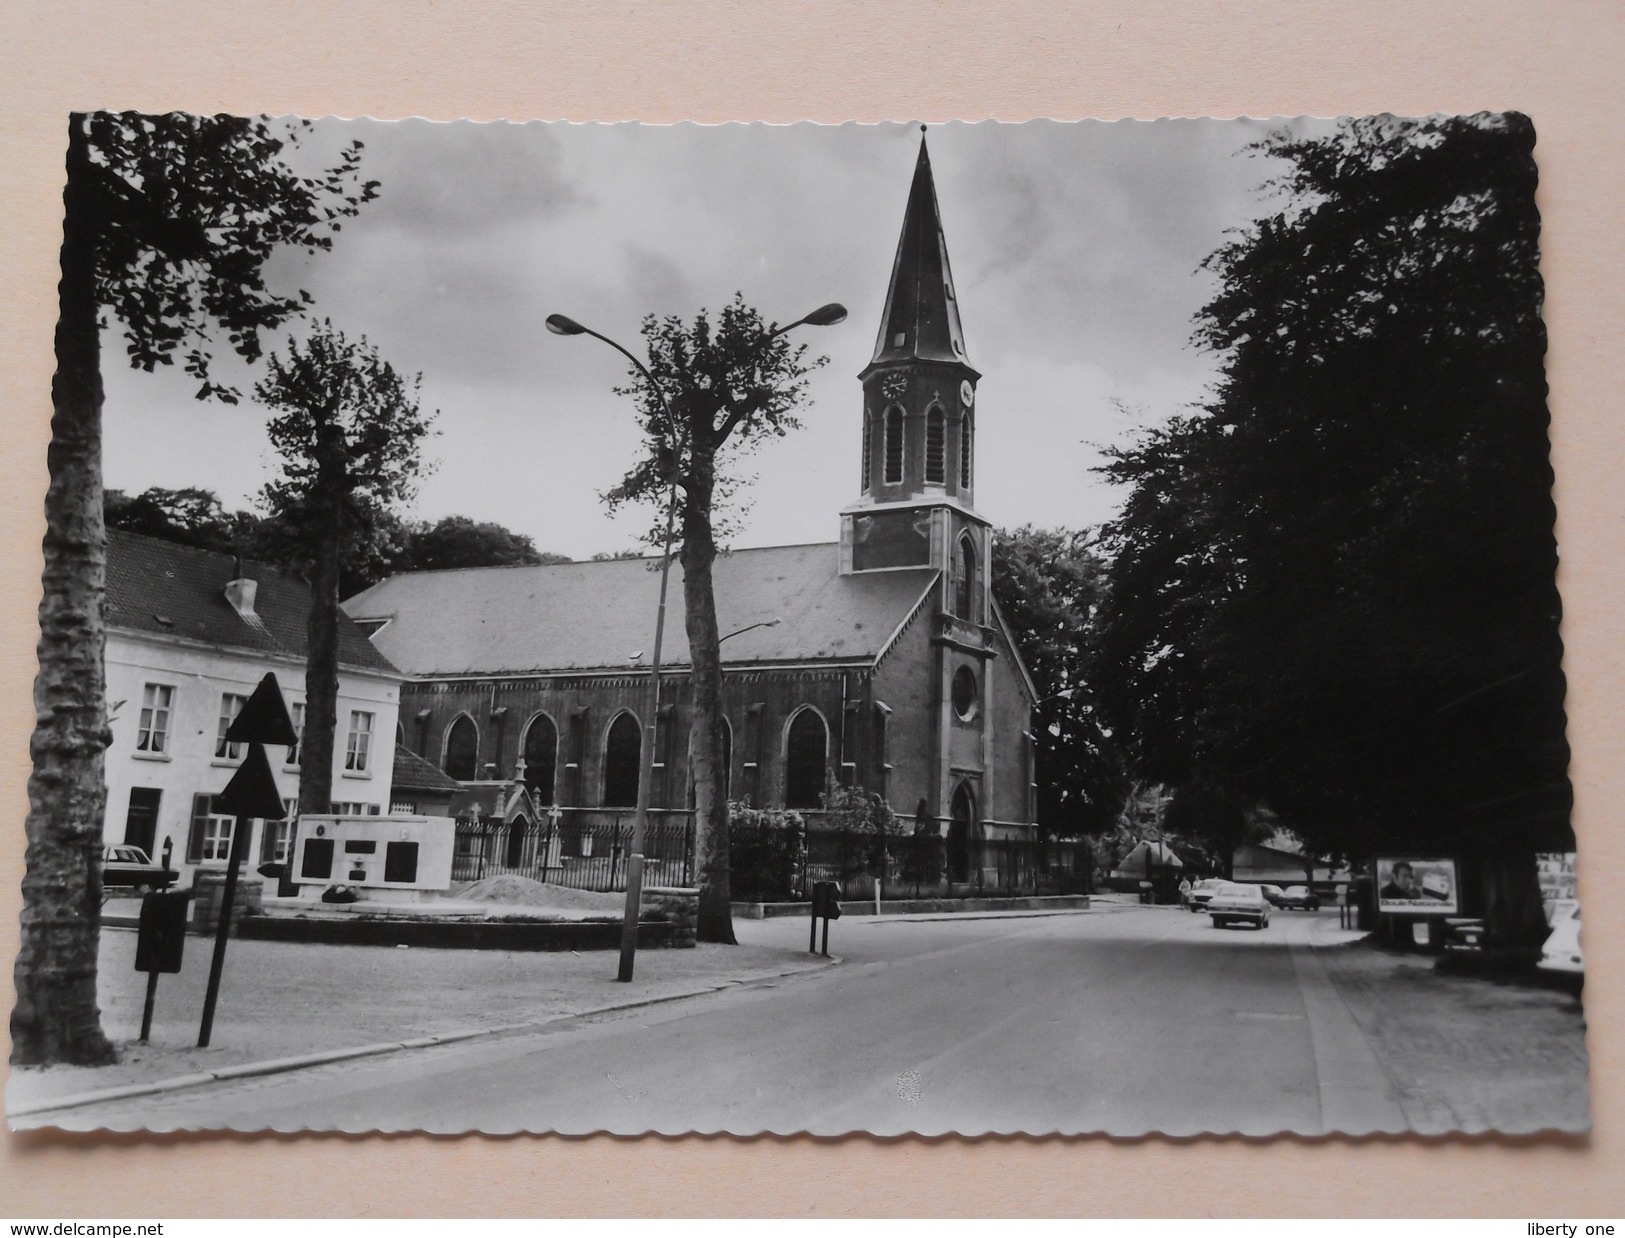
<point x="276" y="1066"/>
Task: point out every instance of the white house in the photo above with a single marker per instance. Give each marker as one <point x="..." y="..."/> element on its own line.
<point x="190" y="633"/>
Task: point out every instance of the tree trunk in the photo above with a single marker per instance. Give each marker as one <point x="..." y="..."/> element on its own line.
<point x="321" y="671"/>
<point x="715" y="921"/>
<point x="56" y="1019"/>
<point x="1510" y="888"/>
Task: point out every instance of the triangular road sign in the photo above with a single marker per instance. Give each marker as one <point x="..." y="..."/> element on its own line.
<point x="263" y="719"/>
<point x="252" y="791"/>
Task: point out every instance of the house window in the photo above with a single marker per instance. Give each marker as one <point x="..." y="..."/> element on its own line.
<point x="298" y="719"/>
<point x="868" y="453"/>
<point x="964" y="452"/>
<point x="894" y="445"/>
<point x="231" y="705"/>
<point x="806" y="758"/>
<point x="274" y="841"/>
<point x="462" y="748"/>
<point x="358" y="745"/>
<point x="623" y="747"/>
<point x="541" y="756"/>
<point x="157" y="700"/>
<point x="936" y="432"/>
<point x="354" y="808"/>
<point x="209" y="841"/>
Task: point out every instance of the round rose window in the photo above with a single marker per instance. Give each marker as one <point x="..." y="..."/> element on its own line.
<point x="965" y="692"/>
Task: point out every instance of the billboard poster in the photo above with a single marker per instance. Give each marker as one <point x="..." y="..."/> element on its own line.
<point x="1408" y="886"/>
<point x="1557" y="881"/>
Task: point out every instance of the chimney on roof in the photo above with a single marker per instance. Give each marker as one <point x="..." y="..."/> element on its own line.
<point x="240" y="591"/>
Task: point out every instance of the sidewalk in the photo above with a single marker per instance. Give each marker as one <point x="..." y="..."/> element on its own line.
<point x="280" y="1000"/>
<point x="1463" y="1053"/>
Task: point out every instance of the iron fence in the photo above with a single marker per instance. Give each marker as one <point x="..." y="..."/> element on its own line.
<point x="587" y="849"/>
<point x="770" y="865"/>
<point x="584" y="849"/>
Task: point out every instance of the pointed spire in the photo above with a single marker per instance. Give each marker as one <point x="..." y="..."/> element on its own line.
<point x="921" y="319"/>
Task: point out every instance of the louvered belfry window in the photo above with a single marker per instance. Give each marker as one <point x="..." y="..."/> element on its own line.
<point x="936" y="433"/>
<point x="868" y="454"/>
<point x="964" y="452"/>
<point x="894" y="445"/>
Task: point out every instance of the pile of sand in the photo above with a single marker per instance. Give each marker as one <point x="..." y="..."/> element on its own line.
<point x="527" y="892"/>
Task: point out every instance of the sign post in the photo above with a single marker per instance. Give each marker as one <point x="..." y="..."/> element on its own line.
<point x="252" y="792"/>
<point x="160" y="942"/>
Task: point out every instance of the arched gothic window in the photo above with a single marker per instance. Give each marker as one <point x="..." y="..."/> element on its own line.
<point x="462" y="749"/>
<point x="623" y="751"/>
<point x="805" y="760"/>
<point x="541" y="752"/>
<point x="965" y="436"/>
<point x="965" y="584"/>
<point x="936" y="434"/>
<point x="894" y="445"/>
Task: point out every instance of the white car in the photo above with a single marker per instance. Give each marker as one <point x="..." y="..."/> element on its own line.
<point x="1561" y="953"/>
<point x="1202" y="891"/>
<point x="1233" y="902"/>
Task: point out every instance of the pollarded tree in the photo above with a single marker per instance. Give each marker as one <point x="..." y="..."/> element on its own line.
<point x="732" y="385"/>
<point x="168" y="222"/>
<point x="1334" y="590"/>
<point x="349" y="431"/>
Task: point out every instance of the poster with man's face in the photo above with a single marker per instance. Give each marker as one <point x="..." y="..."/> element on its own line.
<point x="1412" y="887"/>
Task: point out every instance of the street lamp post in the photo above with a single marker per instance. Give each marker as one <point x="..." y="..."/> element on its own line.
<point x="558" y="324"/>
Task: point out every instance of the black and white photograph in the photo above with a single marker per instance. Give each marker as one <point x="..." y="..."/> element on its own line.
<point x="938" y="629"/>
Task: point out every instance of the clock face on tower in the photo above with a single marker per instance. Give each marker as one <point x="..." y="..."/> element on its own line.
<point x="894" y="386"/>
<point x="967" y="396"/>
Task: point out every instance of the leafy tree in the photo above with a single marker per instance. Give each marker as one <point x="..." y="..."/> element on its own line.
<point x="732" y="385"/>
<point x="457" y="541"/>
<point x="861" y="827"/>
<point x="1050" y="585"/>
<point x="168" y="222"/>
<point x="190" y="517"/>
<point x="1334" y="588"/>
<point x="349" y="431"/>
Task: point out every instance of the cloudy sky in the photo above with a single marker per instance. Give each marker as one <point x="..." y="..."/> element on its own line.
<point x="1075" y="247"/>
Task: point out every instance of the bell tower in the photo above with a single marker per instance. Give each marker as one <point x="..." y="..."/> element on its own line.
<point x="918" y="447"/>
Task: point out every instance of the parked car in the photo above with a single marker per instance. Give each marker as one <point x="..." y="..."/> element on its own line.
<point x="1202" y="891"/>
<point x="124" y="866"/>
<point x="1272" y="893"/>
<point x="1232" y="903"/>
<point x="1561" y="953"/>
<point x="1299" y="898"/>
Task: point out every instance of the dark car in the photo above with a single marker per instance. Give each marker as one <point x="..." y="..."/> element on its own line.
<point x="127" y="867"/>
<point x="1299" y="898"/>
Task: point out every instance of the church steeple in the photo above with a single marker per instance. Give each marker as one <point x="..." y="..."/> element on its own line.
<point x="917" y="469"/>
<point x="921" y="318"/>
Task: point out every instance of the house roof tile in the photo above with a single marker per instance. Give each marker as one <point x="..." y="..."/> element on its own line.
<point x="159" y="587"/>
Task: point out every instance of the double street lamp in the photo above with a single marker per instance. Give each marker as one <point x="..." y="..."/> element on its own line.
<point x="558" y="324"/>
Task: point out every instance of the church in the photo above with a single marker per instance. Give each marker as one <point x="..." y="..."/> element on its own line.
<point x="879" y="660"/>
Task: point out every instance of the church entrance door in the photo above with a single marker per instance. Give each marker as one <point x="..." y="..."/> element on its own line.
<point x="961" y="834"/>
<point x="515" y="857"/>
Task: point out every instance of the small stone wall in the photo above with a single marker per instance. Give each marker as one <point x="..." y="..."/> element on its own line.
<point x="210" y="888"/>
<point x="678" y="906"/>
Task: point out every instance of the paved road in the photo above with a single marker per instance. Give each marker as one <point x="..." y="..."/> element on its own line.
<point x="1126" y="1021"/>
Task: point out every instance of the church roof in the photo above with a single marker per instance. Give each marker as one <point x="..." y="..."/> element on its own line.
<point x="594" y="616"/>
<point x="161" y="588"/>
<point x="921" y="319"/>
